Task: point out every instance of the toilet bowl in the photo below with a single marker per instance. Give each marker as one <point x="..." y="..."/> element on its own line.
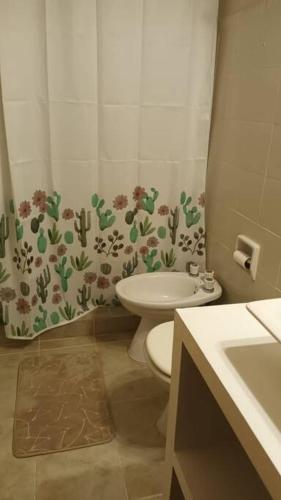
<point x="158" y="351"/>
<point x="155" y="296"/>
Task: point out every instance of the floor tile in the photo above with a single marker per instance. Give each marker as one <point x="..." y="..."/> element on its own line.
<point x="10" y="346"/>
<point x="74" y="329"/>
<point x="153" y="497"/>
<point x="66" y="343"/>
<point x="131" y="467"/>
<point x="8" y="384"/>
<point x="125" y="378"/>
<point x="124" y="336"/>
<point x="17" y="477"/>
<point x="141" y="446"/>
<point x="89" y="473"/>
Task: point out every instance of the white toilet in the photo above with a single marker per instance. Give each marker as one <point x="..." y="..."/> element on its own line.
<point x="159" y="350"/>
<point x="155" y="296"/>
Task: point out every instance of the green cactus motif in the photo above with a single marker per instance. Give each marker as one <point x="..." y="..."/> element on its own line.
<point x="4" y="314"/>
<point x="148" y="202"/>
<point x="105" y="268"/>
<point x="99" y="301"/>
<point x="148" y="260"/>
<point x="53" y="203"/>
<point x="4" y="234"/>
<point x="42" y="241"/>
<point x="146" y="227"/>
<point x="54" y="235"/>
<point x="130" y="266"/>
<point x="43" y="280"/>
<point x="95" y="200"/>
<point x="108" y="242"/>
<point x="3" y="274"/>
<point x="12" y="207"/>
<point x="173" y="224"/>
<point x="83" y="297"/>
<point x="68" y="312"/>
<point x="106" y="218"/>
<point x="115" y="301"/>
<point x="55" y="318"/>
<point x="40" y="322"/>
<point x="130" y="215"/>
<point x="20" y="331"/>
<point x="192" y="216"/>
<point x="80" y="263"/>
<point x="168" y="258"/>
<point x="35" y="223"/>
<point x="161" y="231"/>
<point x="24" y="288"/>
<point x="63" y="273"/>
<point x="68" y="237"/>
<point x="134" y="233"/>
<point x="82" y="227"/>
<point x="19" y="229"/>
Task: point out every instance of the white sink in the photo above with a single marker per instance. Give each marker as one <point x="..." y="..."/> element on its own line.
<point x="155" y="296"/>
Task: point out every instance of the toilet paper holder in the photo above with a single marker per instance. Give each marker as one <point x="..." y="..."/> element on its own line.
<point x="246" y="254"/>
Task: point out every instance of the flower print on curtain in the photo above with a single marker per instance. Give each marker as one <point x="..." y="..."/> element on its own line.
<point x="61" y="274"/>
<point x="99" y="182"/>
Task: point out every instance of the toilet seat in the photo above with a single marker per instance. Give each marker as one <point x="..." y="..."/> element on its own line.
<point x="159" y="348"/>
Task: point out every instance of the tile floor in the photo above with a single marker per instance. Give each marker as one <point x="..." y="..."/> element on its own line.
<point x="131" y="467"/>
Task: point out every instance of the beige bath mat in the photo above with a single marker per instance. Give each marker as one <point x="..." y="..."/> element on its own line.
<point x="61" y="404"/>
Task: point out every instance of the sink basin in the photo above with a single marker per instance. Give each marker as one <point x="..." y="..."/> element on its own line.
<point x="155" y="296"/>
<point x="165" y="291"/>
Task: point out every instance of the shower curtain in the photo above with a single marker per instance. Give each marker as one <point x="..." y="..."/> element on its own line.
<point x="104" y="126"/>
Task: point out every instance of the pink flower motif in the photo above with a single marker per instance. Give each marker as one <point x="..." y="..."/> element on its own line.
<point x="43" y="207"/>
<point x="90" y="277"/>
<point x="38" y="261"/>
<point x="128" y="249"/>
<point x="68" y="214"/>
<point x="143" y="250"/>
<point x="56" y="299"/>
<point x="56" y="288"/>
<point x="120" y="202"/>
<point x="24" y="209"/>
<point x="139" y="193"/>
<point x="103" y="282"/>
<point x="116" y="279"/>
<point x="34" y="300"/>
<point x="23" y="306"/>
<point x="39" y="198"/>
<point x="163" y="210"/>
<point x="139" y="205"/>
<point x="53" y="258"/>
<point x="202" y="200"/>
<point x="152" y="241"/>
<point x="61" y="250"/>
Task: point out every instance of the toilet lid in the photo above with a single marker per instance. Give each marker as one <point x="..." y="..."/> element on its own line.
<point x="159" y="345"/>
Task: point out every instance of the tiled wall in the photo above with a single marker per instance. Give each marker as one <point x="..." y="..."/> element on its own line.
<point x="244" y="170"/>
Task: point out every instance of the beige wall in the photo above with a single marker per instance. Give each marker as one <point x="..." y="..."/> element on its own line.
<point x="244" y="170"/>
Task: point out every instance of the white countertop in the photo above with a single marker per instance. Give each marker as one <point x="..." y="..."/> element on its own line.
<point x="241" y="363"/>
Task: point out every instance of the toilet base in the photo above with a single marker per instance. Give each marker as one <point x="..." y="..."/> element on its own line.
<point x="136" y="350"/>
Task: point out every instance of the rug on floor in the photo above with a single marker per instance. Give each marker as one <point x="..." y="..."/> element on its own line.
<point x="61" y="404"/>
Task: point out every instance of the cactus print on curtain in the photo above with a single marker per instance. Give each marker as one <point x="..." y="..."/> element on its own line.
<point x="105" y="112"/>
<point x="64" y="266"/>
